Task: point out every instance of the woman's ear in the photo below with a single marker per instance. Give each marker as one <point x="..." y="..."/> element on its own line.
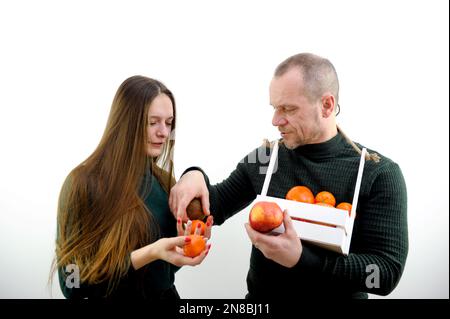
<point x="328" y="105"/>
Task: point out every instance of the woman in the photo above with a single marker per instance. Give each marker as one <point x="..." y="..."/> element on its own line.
<point x="115" y="228"/>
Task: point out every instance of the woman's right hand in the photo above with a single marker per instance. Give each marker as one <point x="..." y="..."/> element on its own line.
<point x="167" y="249"/>
<point x="171" y="250"/>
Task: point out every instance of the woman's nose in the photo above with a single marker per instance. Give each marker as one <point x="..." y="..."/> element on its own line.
<point x="163" y="131"/>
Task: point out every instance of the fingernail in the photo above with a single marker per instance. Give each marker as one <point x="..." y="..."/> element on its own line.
<point x="207" y="224"/>
<point x="187" y="239"/>
<point x="179" y="220"/>
<point x="198" y="225"/>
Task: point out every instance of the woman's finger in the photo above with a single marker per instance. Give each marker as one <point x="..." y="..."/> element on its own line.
<point x="187" y="230"/>
<point x="180" y="229"/>
<point x="209" y="224"/>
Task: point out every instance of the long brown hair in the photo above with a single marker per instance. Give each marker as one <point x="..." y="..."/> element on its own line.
<point x="101" y="213"/>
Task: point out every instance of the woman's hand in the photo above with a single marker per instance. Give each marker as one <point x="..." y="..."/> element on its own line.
<point x="188" y="227"/>
<point x="167" y="249"/>
<point x="171" y="250"/>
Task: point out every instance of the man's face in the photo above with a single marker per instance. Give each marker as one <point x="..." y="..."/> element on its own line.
<point x="296" y="117"/>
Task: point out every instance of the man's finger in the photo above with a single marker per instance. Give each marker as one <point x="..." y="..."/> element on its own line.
<point x="288" y="226"/>
<point x="205" y="203"/>
<point x="181" y="210"/>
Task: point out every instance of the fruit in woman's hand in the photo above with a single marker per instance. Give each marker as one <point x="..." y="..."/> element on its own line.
<point x="345" y="206"/>
<point x="195" y="224"/>
<point x="325" y="197"/>
<point x="301" y="194"/>
<point x="265" y="216"/>
<point x="194" y="246"/>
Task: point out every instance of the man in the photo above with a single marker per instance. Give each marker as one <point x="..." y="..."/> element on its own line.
<point x="313" y="152"/>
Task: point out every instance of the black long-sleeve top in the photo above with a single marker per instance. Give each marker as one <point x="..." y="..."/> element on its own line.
<point x="155" y="280"/>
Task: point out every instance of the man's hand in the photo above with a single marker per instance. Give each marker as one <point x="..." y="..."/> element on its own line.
<point x="284" y="249"/>
<point x="191" y="185"/>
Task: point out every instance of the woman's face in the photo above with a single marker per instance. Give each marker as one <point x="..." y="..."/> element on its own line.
<point x="159" y="124"/>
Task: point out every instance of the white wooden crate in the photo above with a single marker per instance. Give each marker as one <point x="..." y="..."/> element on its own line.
<point x="335" y="237"/>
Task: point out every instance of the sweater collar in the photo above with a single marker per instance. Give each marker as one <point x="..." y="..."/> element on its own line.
<point x="326" y="149"/>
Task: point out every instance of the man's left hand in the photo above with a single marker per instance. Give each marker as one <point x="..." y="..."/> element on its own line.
<point x="284" y="249"/>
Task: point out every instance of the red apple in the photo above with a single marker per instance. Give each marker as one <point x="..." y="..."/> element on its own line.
<point x="265" y="216"/>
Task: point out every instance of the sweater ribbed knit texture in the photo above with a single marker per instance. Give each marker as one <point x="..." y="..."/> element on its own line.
<point x="379" y="244"/>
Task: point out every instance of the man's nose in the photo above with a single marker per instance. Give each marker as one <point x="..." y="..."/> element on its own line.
<point x="278" y="119"/>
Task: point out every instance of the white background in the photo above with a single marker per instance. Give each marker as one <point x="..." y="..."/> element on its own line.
<point x="62" y="61"/>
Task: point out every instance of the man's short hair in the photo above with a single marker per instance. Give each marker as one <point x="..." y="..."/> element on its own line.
<point x="319" y="75"/>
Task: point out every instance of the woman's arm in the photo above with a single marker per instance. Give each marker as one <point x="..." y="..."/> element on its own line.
<point x="167" y="249"/>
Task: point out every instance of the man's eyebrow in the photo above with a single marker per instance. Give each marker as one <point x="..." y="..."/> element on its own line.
<point x="289" y="106"/>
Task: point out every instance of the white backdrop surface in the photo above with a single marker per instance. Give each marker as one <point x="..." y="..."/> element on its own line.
<point x="62" y="61"/>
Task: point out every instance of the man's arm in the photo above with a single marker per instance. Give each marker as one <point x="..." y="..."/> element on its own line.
<point x="223" y="200"/>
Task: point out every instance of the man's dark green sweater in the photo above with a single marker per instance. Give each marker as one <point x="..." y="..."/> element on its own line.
<point x="379" y="244"/>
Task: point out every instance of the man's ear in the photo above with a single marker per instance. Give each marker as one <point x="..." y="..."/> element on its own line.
<point x="328" y="105"/>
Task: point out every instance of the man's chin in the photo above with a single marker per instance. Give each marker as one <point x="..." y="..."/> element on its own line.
<point x="290" y="144"/>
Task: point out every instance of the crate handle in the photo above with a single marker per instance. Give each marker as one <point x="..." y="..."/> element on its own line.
<point x="273" y="159"/>
<point x="358" y="182"/>
<point x="271" y="166"/>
